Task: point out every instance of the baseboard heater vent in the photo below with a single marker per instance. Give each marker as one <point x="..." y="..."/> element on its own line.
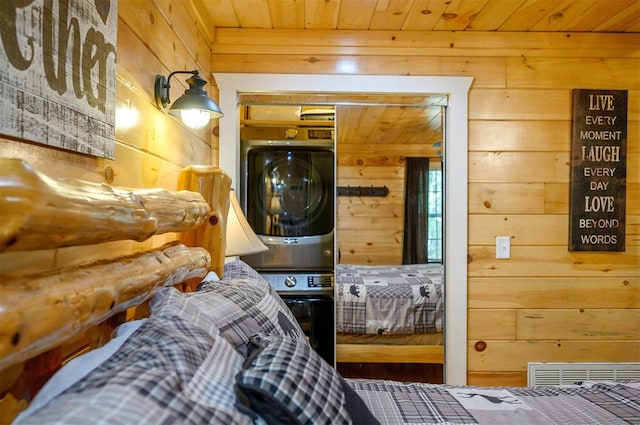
<point x="572" y="373"/>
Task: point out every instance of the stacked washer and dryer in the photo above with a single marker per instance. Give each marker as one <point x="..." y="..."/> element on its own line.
<point x="287" y="193"/>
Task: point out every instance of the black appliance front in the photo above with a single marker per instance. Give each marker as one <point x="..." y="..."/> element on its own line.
<point x="315" y="314"/>
<point x="289" y="202"/>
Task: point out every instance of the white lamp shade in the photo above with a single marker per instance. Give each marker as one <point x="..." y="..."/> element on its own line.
<point x="241" y="240"/>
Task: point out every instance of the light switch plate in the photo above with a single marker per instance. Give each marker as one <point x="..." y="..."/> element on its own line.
<point x="503" y="247"/>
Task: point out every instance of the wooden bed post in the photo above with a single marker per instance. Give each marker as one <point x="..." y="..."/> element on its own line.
<point x="214" y="185"/>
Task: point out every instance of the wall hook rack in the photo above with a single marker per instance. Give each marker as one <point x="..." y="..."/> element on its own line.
<point x="363" y="191"/>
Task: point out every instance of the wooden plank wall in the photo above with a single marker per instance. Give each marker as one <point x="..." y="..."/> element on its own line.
<point x="154" y="37"/>
<point x="545" y="303"/>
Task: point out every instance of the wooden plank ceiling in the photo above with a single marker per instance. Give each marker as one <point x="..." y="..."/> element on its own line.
<point x="429" y="15"/>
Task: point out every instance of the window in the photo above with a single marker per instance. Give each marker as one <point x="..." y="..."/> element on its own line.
<point x="423" y="211"/>
<point x="434" y="216"/>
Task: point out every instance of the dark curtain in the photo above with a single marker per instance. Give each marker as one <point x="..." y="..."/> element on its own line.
<point x="416" y="210"/>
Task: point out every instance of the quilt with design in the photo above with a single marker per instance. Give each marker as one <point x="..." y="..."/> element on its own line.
<point x="383" y="300"/>
<point x="589" y="403"/>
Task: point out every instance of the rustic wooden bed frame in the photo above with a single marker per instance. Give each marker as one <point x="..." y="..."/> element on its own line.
<point x="50" y="314"/>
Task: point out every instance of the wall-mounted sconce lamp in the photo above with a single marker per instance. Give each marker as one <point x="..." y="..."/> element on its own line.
<point x="194" y="107"/>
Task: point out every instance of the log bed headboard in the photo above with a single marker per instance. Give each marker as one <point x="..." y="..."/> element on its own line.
<point x="50" y="313"/>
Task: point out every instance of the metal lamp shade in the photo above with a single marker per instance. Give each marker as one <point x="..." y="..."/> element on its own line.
<point x="195" y="107"/>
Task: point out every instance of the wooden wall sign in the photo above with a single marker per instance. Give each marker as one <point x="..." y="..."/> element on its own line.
<point x="598" y="170"/>
<point x="57" y="73"/>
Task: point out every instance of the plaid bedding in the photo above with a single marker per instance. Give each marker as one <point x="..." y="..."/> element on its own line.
<point x="591" y="403"/>
<point x="385" y="300"/>
<point x="168" y="371"/>
<point x="186" y="365"/>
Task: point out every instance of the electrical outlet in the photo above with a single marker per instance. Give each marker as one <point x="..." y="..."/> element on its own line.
<point x="503" y="247"/>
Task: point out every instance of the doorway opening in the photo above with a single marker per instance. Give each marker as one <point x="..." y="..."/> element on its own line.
<point x="455" y="208"/>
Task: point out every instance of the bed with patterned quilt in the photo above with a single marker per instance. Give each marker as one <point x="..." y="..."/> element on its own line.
<point x="390" y="313"/>
<point x="232" y="353"/>
<point x="217" y="344"/>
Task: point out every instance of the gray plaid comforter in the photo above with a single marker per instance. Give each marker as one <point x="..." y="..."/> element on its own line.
<point x="591" y="403"/>
<point x="170" y="371"/>
<point x="383" y="300"/>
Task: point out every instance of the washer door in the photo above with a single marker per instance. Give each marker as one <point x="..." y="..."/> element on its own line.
<point x="291" y="193"/>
